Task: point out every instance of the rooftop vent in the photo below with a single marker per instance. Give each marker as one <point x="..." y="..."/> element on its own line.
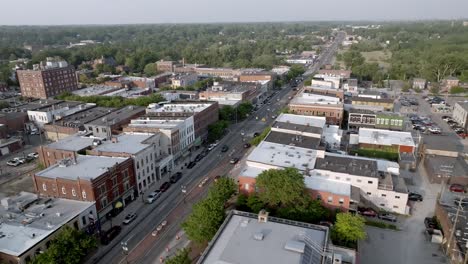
<point x="258" y="236"/>
<point x="263" y="216"/>
<point x="295" y="246"/>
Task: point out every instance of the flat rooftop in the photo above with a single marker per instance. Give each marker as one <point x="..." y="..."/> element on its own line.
<point x="283" y="156"/>
<point x="367" y="99"/>
<point x="180" y="107"/>
<point x="126" y="143"/>
<point x="72" y="143"/>
<point x="118" y="116"/>
<point x="385" y="137"/>
<point x="315" y="99"/>
<point x="85" y="116"/>
<point x="327" y="185"/>
<point x="310" y="121"/>
<point x="441" y="165"/>
<point x="23" y="229"/>
<point x="293" y="140"/>
<point x="58" y="106"/>
<point x="95" y="90"/>
<point x="86" y="167"/>
<point x="348" y="164"/>
<point x="38" y="104"/>
<point x="243" y="239"/>
<point x="156" y="123"/>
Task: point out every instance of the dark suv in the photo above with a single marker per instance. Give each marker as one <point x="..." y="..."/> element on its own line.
<point x="110" y="234"/>
<point x="165" y="186"/>
<point x="176" y="177"/>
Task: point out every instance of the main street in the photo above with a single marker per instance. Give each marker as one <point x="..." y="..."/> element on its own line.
<point x="172" y="206"/>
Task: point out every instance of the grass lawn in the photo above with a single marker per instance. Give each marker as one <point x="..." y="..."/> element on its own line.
<point x="380" y="56"/>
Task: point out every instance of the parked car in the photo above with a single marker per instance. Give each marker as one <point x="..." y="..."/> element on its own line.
<point x="434" y="130"/>
<point x="129" y="218"/>
<point x="388" y="217"/>
<point x="247" y="145"/>
<point x="234" y="160"/>
<point x="224" y="148"/>
<point x="191" y="165"/>
<point x="415" y="197"/>
<point x="20" y="160"/>
<point x="13" y="163"/>
<point x="110" y="234"/>
<point x="211" y="147"/>
<point x="368" y="212"/>
<point x="198" y="157"/>
<point x="153" y="196"/>
<point x="176" y="177"/>
<point x="165" y="186"/>
<point x="33" y="155"/>
<point x="256" y="134"/>
<point x="457" y="188"/>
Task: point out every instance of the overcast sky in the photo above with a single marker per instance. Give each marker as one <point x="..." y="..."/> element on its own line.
<point x="52" y="12"/>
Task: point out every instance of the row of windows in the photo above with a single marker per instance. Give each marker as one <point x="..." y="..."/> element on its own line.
<point x="64" y="191"/>
<point x="393" y="122"/>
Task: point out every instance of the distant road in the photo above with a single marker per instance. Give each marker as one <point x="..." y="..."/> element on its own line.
<point x="326" y="56"/>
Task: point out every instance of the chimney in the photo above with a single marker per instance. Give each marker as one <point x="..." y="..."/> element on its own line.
<point x="114" y="140"/>
<point x="263" y="216"/>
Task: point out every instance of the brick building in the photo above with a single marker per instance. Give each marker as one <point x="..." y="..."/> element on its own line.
<point x="109" y="181"/>
<point x="68" y="147"/>
<point x="318" y="105"/>
<point x="386" y="140"/>
<point x="51" y="79"/>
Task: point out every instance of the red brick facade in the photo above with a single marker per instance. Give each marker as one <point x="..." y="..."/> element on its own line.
<point x="47" y="83"/>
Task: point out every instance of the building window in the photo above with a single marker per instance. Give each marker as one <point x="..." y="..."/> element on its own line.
<point x="395" y="206"/>
<point x="348" y="179"/>
<point x="44" y="187"/>
<point x="246" y="186"/>
<point x="83" y="220"/>
<point x="116" y="193"/>
<point x="330" y="199"/>
<point x="114" y="181"/>
<point x="102" y="189"/>
<point x="83" y="193"/>
<point x="73" y="192"/>
<point x="341" y="201"/>
<point x="103" y="202"/>
<point x="64" y="191"/>
<point x="382" y="204"/>
<point x="370" y="182"/>
<point x="125" y="174"/>
<point x="369" y="193"/>
<point x="384" y="195"/>
<point x="397" y="197"/>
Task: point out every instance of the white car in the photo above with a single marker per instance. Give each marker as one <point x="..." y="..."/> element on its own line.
<point x="13" y="163"/>
<point x="434" y="130"/>
<point x="20" y="160"/>
<point x="33" y="155"/>
<point x="153" y="196"/>
<point x="129" y="218"/>
<point x="211" y="147"/>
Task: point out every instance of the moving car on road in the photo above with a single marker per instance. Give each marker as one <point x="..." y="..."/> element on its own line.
<point x="191" y="165"/>
<point x="388" y="217"/>
<point x="153" y="196"/>
<point x="225" y="148"/>
<point x="176" y="177"/>
<point x="415" y="197"/>
<point x="129" y="218"/>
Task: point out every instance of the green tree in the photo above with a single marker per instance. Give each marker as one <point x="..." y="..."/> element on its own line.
<point x="255" y="204"/>
<point x="4" y="104"/>
<point x="227" y="113"/>
<point x="150" y="69"/>
<point x="217" y="130"/>
<point x="349" y="227"/>
<point x="256" y="140"/>
<point x="244" y="109"/>
<point x="70" y="246"/>
<point x="223" y="189"/>
<point x="181" y="257"/>
<point x="435" y="89"/>
<point x="457" y="90"/>
<point x="280" y="187"/>
<point x="205" y="219"/>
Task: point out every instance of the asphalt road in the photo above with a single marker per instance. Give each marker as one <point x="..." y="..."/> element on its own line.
<point x="138" y="233"/>
<point x="326" y="56"/>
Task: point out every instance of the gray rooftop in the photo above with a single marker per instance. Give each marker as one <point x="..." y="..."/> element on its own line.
<point x="367" y="99"/>
<point x="293" y="140"/>
<point x="38" y="104"/>
<point x="441" y="165"/>
<point x="72" y="143"/>
<point x="243" y="239"/>
<point x="58" y="106"/>
<point x="127" y="143"/>
<point x="27" y="220"/>
<point x="85" y="116"/>
<point x="297" y="127"/>
<point x="85" y="167"/>
<point x="118" y="115"/>
<point x="348" y="164"/>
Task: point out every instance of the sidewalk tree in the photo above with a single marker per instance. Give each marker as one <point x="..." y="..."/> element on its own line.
<point x="207" y="215"/>
<point x="181" y="257"/>
<point x="70" y="246"/>
<point x="227" y="113"/>
<point x="244" y="109"/>
<point x="256" y="140"/>
<point x="280" y="187"/>
<point x="216" y="130"/>
<point x="349" y="227"/>
<point x="223" y="189"/>
<point x="307" y="210"/>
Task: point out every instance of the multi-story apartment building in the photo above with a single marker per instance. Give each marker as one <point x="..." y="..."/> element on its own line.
<point x="318" y="105"/>
<point x="47" y="79"/>
<point x="108" y="181"/>
<point x="152" y="163"/>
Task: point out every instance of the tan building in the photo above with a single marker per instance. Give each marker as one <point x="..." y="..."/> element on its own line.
<point x="48" y="80"/>
<point x="311" y="104"/>
<point x="387" y="104"/>
<point x="165" y="66"/>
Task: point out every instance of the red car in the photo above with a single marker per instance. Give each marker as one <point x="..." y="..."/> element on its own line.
<point x="369" y="212"/>
<point x="457" y="188"/>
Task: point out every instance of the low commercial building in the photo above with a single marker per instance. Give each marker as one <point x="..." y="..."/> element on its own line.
<point x="49" y="114"/>
<point x="13" y="121"/>
<point x="320" y="90"/>
<point x="95" y="90"/>
<point x="460" y="114"/>
<point x="387" y="104"/>
<point x="318" y="105"/>
<point x="75" y="123"/>
<point x="113" y="123"/>
<point x="31" y="223"/>
<point x="250" y="238"/>
<point x="385" y="140"/>
<point x="358" y="118"/>
<point x="449" y="82"/>
<point x="68" y="147"/>
<point x="152" y="163"/>
<point x="299" y="59"/>
<point x="166" y="66"/>
<point x="204" y="114"/>
<point x="443" y="169"/>
<point x="233" y="93"/>
<point x="345" y="74"/>
<point x="9" y="145"/>
<point x="108" y="181"/>
<point x="351" y="86"/>
<point x="179" y="95"/>
<point x="281" y="71"/>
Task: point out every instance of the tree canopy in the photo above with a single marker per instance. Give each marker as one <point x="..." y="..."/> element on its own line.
<point x="349" y="227"/>
<point x="181" y="257"/>
<point x="280" y="187"/>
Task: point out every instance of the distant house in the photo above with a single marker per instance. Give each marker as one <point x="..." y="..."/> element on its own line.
<point x="450" y="82"/>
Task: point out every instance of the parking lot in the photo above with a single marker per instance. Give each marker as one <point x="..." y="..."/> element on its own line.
<point x="410" y="244"/>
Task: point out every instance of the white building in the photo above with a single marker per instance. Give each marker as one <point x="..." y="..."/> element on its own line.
<point x="460" y="114"/>
<point x="152" y="163"/>
<point x="55" y="112"/>
<point x="30" y="223"/>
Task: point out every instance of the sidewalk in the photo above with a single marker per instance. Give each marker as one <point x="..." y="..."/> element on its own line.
<point x="180" y="241"/>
